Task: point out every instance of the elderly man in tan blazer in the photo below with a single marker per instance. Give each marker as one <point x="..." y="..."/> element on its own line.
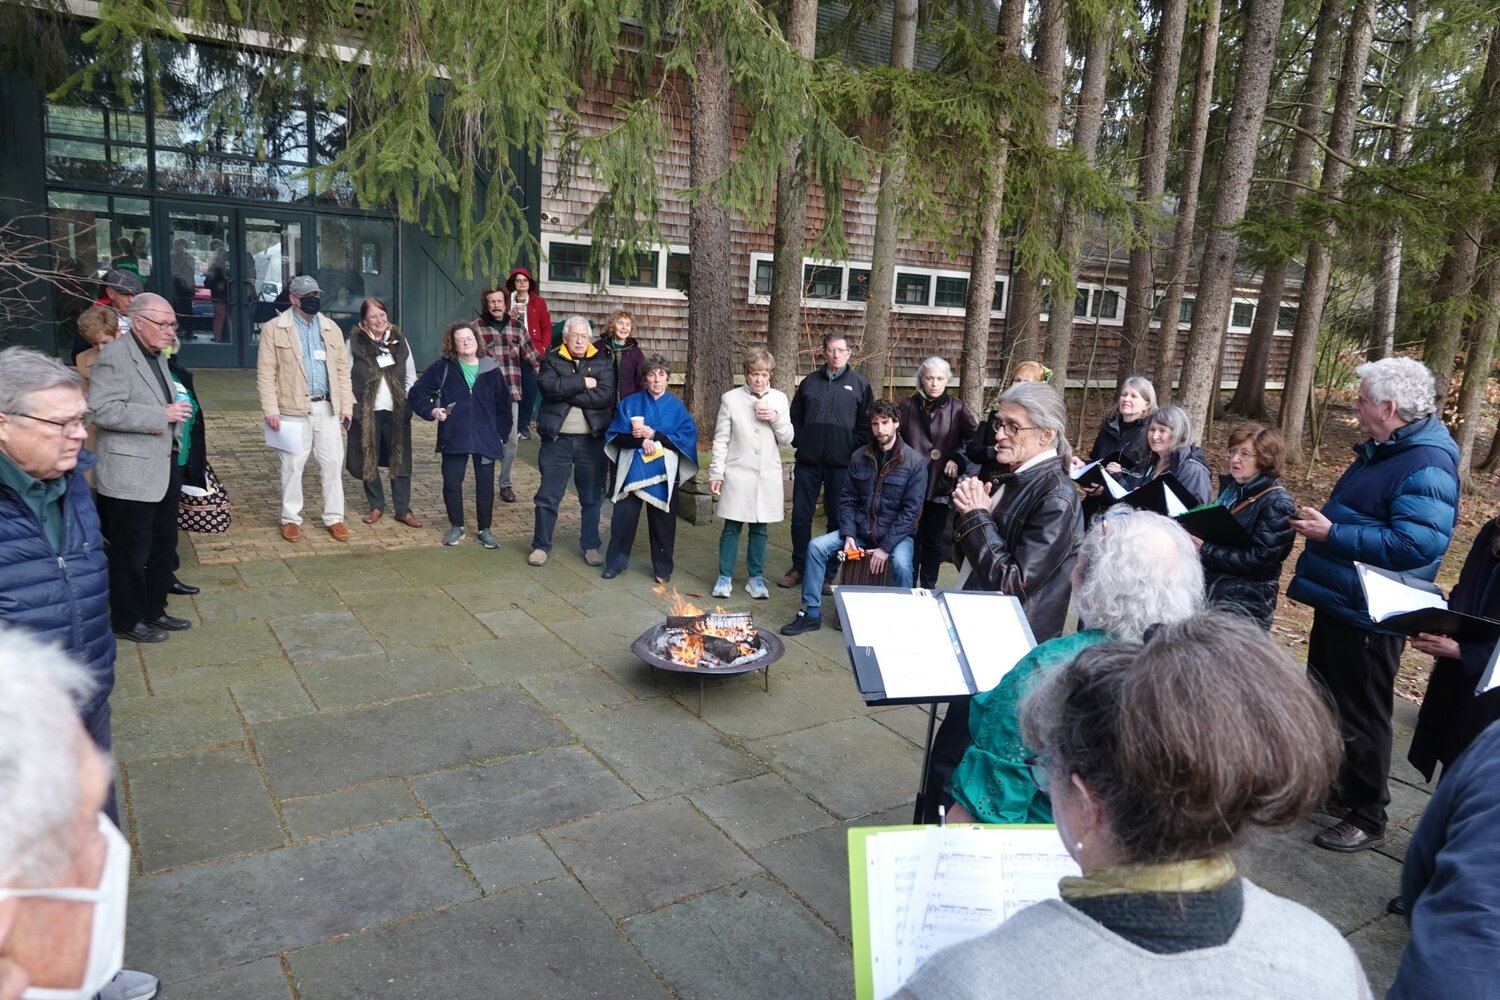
<point x="302" y="374"/>
<point x="138" y="477"/>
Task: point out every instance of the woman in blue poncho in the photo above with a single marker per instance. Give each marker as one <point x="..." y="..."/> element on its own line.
<point x="654" y="444"/>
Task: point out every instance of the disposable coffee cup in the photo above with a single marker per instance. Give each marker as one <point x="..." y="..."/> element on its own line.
<point x="637" y="422"/>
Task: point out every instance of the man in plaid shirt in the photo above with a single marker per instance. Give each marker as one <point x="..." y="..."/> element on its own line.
<point x="504" y="338"/>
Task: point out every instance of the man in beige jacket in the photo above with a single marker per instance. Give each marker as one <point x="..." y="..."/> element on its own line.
<point x="302" y="374"/>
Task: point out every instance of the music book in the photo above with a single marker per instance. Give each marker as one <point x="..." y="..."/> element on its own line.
<point x="918" y="646"/>
<point x="914" y="890"/>
<point x="1094" y="474"/>
<point x="1163" y="495"/>
<point x="1215" y="523"/>
<point x="1490" y="679"/>
<point x="1410" y="606"/>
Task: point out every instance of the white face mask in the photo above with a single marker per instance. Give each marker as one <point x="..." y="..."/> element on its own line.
<point x="107" y="938"/>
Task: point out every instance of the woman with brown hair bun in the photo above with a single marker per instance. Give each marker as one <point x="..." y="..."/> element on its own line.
<point x="382" y="371"/>
<point x="1158" y="756"/>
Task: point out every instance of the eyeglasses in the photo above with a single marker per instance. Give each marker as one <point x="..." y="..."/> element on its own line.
<point x="1011" y="428"/>
<point x="68" y="426"/>
<point x="156" y="322"/>
<point x="1039" y="766"/>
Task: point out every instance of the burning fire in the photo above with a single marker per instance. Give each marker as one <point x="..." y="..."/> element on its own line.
<point x="686" y="646"/>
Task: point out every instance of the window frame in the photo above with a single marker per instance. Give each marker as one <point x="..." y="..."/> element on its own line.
<point x="661" y="253"/>
<point x="759" y="257"/>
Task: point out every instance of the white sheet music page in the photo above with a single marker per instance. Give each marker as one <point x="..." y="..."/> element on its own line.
<point x="992" y="629"/>
<point x="911" y="641"/>
<point x="967" y="881"/>
<point x="1385" y="597"/>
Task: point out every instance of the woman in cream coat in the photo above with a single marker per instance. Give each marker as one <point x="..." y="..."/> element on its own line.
<point x="745" y="472"/>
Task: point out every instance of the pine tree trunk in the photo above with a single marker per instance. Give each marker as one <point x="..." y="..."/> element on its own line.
<point x="1388" y="271"/>
<point x="1187" y="209"/>
<point x="1086" y="127"/>
<point x="1216" y="270"/>
<point x="791" y="224"/>
<point x="981" y="295"/>
<point x="1023" y="319"/>
<point x="1250" y="395"/>
<point x="710" y="365"/>
<point x="1156" y="140"/>
<point x="1478" y="362"/>
<point x="874" y="351"/>
<point x="1303" y="361"/>
<point x="1457" y="277"/>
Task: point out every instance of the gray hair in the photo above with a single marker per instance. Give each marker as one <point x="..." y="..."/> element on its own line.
<point x="931" y="363"/>
<point x="573" y="321"/>
<point x="1404" y="381"/>
<point x="1143" y="387"/>
<point x="1176" y="420"/>
<point x="24" y="371"/>
<point x="1045" y="409"/>
<point x="147" y="300"/>
<point x="40" y="689"/>
<point x="1138" y="569"/>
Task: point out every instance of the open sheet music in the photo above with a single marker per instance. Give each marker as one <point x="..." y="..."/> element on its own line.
<point x="915" y="890"/>
<point x="1411" y="606"/>
<point x="910" y="646"/>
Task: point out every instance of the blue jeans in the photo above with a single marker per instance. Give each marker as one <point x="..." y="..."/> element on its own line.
<point x="583" y="456"/>
<point x="822" y="548"/>
<point x="530" y="399"/>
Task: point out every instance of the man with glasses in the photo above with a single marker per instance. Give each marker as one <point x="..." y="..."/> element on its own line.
<point x="831" y="421"/>
<point x="137" y="417"/>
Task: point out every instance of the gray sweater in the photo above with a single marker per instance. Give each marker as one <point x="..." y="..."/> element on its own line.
<point x="1279" y="949"/>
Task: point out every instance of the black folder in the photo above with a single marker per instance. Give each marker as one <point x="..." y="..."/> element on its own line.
<point x="1153" y="495"/>
<point x="1437" y="621"/>
<point x="916" y="647"/>
<point x="1215" y="524"/>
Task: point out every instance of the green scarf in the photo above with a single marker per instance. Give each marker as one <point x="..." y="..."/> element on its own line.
<point x="1197" y="875"/>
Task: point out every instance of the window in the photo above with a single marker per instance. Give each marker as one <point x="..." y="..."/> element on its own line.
<point x="677" y="272"/>
<point x="998" y="305"/>
<point x="822" y="282"/>
<point x="1242" y="314"/>
<point x="630" y="270"/>
<point x="1081" y="303"/>
<point x="913" y="289"/>
<point x="1186" y="311"/>
<point x="568" y="262"/>
<point x="952" y="293"/>
<point x="1107" y="304"/>
<point x="859" y="284"/>
<point x="763" y="277"/>
<point x="1286" y="317"/>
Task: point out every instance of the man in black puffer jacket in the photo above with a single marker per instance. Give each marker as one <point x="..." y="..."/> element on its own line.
<point x="877" y="512"/>
<point x="831" y="421"/>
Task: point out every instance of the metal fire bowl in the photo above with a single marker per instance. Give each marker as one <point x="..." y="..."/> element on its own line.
<point x="643" y="647"/>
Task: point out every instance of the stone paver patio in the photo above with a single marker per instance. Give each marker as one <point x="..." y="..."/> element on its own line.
<point x="397" y="769"/>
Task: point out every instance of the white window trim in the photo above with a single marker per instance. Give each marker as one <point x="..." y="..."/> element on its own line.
<point x="1156" y="323"/>
<point x="1229" y="323"/>
<point x="660" y="291"/>
<point x="757" y="257"/>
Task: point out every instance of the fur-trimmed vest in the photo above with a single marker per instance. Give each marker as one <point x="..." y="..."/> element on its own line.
<point x="365" y="451"/>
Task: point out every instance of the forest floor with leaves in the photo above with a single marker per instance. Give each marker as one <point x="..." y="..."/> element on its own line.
<point x="1310" y="483"/>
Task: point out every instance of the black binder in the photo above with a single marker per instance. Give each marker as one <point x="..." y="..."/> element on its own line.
<point x="1437" y="621"/>
<point x="1153" y="495"/>
<point x="1215" y="524"/>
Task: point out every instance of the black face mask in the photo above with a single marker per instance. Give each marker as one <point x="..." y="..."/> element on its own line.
<point x="312" y="304"/>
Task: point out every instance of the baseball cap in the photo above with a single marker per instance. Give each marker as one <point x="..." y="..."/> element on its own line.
<point x="122" y="281"/>
<point x="302" y="284"/>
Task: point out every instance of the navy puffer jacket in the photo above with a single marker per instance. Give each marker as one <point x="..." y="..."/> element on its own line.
<point x="1394" y="507"/>
<point x="1245" y="580"/>
<point x="60" y="598"/>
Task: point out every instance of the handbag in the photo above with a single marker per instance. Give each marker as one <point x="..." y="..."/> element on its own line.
<point x="208" y="513"/>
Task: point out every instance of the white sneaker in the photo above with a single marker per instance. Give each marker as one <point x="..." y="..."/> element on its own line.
<point x="130" y="985"/>
<point x="723" y="587"/>
<point x="756" y="588"/>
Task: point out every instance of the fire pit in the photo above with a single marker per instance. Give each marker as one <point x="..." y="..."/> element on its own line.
<point x="715" y="643"/>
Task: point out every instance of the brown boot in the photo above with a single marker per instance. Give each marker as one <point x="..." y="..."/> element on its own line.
<point x="793" y="578"/>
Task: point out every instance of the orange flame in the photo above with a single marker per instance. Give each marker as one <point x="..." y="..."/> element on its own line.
<point x="677" y="605"/>
<point x="689" y="651"/>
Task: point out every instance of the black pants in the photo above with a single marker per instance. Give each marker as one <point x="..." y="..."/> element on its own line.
<point x="930" y="531"/>
<point x="807" y="482"/>
<point x="142" y="540"/>
<point x="400" y="485"/>
<point x="484" y="488"/>
<point x="1357" y="668"/>
<point x="661" y="526"/>
<point x="948" y="748"/>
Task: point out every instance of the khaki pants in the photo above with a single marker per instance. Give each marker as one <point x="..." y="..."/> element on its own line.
<point x="322" y="437"/>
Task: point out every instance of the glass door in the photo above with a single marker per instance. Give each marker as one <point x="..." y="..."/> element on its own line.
<point x="195" y="242"/>
<point x="272" y="250"/>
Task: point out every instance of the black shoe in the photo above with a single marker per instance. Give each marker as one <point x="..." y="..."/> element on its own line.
<point x="182" y="589"/>
<point x="802" y="623"/>
<point x="141" y="632"/>
<point x="1347" y="838"/>
<point x="610" y="574"/>
<point x="1397" y="905"/>
<point x="171" y="624"/>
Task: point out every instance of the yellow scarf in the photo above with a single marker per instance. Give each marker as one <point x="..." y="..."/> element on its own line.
<point x="1197" y="875"/>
